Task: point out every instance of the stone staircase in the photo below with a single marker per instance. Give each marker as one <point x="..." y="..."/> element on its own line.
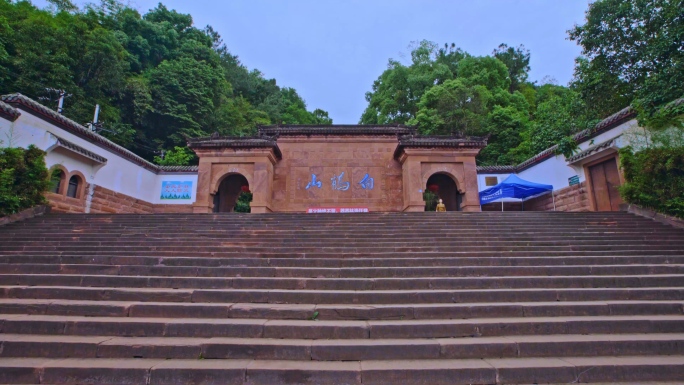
<point x="379" y="298"/>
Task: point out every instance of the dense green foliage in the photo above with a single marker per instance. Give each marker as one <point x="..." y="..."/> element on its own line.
<point x="633" y="52"/>
<point x="178" y="156"/>
<point x="654" y="178"/>
<point x="446" y="91"/>
<point x="23" y="179"/>
<point x="156" y="77"/>
<point x="430" y="199"/>
<point x="242" y="203"/>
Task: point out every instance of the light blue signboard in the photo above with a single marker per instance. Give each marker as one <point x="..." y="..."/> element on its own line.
<point x="176" y="190"/>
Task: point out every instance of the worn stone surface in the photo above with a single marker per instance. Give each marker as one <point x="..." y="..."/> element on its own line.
<point x="395" y="298"/>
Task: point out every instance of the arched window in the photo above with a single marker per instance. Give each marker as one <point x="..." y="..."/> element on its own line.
<point x="56" y="180"/>
<point x="72" y="190"/>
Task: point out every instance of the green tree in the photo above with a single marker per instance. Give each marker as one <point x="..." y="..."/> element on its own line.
<point x="397" y="92"/>
<point x="453" y="108"/>
<point x="156" y="77"/>
<point x="633" y="51"/>
<point x="517" y="60"/>
<point x="178" y="156"/>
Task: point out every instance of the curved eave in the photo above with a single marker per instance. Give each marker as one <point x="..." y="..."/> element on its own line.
<point x="236" y="144"/>
<point x="441" y="145"/>
<point x="308" y="130"/>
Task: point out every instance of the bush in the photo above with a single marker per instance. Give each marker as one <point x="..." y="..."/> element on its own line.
<point x="654" y="179"/>
<point x="23" y="179"/>
<point x="430" y="199"/>
<point x="242" y="204"/>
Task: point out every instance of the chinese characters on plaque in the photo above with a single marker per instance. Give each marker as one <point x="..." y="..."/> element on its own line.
<point x="339" y="184"/>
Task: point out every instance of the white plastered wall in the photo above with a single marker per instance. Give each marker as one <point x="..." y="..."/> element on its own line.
<point x="118" y="174"/>
<point x="555" y="170"/>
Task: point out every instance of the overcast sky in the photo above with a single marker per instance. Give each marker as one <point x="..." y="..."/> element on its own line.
<point x="332" y="51"/>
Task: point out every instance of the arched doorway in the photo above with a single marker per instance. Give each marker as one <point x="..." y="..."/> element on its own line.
<point x="227" y="194"/>
<point x="445" y="188"/>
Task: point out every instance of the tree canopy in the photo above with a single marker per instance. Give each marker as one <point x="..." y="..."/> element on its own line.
<point x="157" y="77"/>
<point x="632" y="52"/>
<point x="446" y="91"/>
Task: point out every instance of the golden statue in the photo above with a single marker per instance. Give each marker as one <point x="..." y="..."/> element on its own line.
<point x="440" y="207"/>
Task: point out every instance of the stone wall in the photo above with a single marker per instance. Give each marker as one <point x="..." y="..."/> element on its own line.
<point x="106" y="201"/>
<point x="572" y="198"/>
<point x="173" y="209"/>
<point x="60" y="203"/>
<point x="363" y="170"/>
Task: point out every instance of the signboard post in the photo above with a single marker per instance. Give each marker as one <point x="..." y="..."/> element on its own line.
<point x="573" y="180"/>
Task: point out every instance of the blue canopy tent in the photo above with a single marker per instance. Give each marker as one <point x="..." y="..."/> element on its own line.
<point x="514" y="187"/>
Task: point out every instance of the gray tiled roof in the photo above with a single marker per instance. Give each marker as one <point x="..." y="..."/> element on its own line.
<point x="164" y="169"/>
<point x="236" y="142"/>
<point x="438" y="141"/>
<point x="336" y="129"/>
<point x="8" y="112"/>
<point x="78" y="149"/>
<point x="591" y="150"/>
<point x="496" y="169"/>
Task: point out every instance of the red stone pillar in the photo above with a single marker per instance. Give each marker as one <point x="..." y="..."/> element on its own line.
<point x="413" y="185"/>
<point x="262" y="186"/>
<point x="203" y="201"/>
<point x="471" y="198"/>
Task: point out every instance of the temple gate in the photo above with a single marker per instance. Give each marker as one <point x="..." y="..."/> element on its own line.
<point x="293" y="168"/>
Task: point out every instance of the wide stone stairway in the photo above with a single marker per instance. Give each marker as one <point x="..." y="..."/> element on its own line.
<point x="378" y="298"/>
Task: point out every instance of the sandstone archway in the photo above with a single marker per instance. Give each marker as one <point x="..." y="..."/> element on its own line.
<point x="229" y="189"/>
<point x="446" y="189"/>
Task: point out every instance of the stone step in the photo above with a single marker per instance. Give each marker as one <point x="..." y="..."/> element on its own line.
<point x="51" y="263"/>
<point x="519" y="234"/>
<point x="253" y="229"/>
<point x="47" y="346"/>
<point x="352" y="248"/>
<point x="408" y="372"/>
<point x="369" y="273"/>
<point x="303" y="244"/>
<point x="424" y="222"/>
<point x="337" y="329"/>
<point x="106" y="308"/>
<point x="389" y="218"/>
<point x="198" y="253"/>
<point x="80" y="277"/>
<point x="341" y="296"/>
<point x="419" y="222"/>
<point x="356" y="234"/>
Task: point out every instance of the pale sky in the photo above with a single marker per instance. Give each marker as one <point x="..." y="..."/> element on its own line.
<point x="332" y="51"/>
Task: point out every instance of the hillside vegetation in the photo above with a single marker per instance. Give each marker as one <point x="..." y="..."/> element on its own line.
<point x="632" y="54"/>
<point x="156" y="76"/>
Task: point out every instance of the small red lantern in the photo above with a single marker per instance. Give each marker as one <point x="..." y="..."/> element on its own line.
<point x="244" y="189"/>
